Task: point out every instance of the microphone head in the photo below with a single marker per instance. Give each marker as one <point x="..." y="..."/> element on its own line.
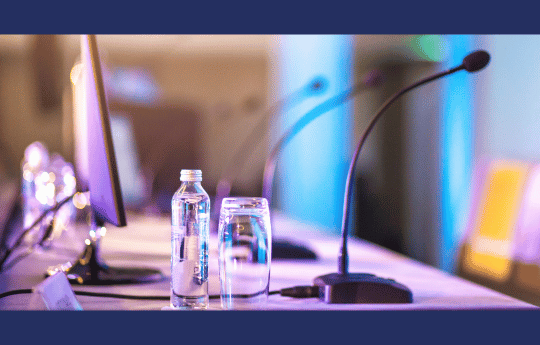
<point x="476" y="60"/>
<point x="317" y="85"/>
<point x="374" y="78"/>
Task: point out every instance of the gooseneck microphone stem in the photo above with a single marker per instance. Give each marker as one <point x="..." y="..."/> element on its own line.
<point x="345" y="287"/>
<point x="472" y="63"/>
<point x="257" y="132"/>
<point x="344" y="256"/>
<point x="223" y="188"/>
<point x="373" y="79"/>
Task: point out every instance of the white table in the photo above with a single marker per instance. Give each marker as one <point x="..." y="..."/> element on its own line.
<point x="146" y="242"/>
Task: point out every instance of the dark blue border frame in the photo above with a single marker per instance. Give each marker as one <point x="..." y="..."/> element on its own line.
<point x="277" y="17"/>
<point x="277" y="327"/>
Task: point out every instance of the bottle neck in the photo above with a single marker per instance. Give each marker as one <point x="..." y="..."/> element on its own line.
<point x="192" y="186"/>
<point x="191" y="182"/>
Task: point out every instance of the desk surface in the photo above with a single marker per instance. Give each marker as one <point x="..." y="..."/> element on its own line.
<point x="146" y="242"/>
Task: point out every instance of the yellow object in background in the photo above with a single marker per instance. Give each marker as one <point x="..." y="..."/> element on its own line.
<point x="489" y="251"/>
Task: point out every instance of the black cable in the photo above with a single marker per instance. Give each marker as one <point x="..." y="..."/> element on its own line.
<point x="19" y="241"/>
<point x="139" y="297"/>
<point x="296" y="292"/>
<point x="123" y="296"/>
<point x="302" y="291"/>
<point x="15" y="292"/>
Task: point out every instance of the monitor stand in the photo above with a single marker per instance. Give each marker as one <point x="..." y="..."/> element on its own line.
<point x="89" y="269"/>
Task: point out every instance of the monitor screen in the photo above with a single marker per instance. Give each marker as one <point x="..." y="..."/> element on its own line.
<point x="103" y="181"/>
<point x="101" y="174"/>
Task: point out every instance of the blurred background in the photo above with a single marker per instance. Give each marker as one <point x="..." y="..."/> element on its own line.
<point x="189" y="102"/>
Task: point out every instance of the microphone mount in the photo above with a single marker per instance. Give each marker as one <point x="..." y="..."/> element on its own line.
<point x="345" y="287"/>
<point x="372" y="79"/>
<point x="315" y="87"/>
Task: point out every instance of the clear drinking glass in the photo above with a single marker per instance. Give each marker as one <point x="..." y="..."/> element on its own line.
<point x="245" y="250"/>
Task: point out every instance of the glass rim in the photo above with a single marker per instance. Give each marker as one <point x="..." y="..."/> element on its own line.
<point x="244" y="203"/>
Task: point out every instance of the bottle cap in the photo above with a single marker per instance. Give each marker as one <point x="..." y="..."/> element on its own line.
<point x="190" y="175"/>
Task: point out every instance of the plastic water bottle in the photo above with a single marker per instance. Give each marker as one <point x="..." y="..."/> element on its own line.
<point x="189" y="243"/>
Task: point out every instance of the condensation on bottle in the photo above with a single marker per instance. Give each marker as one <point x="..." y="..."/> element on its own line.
<point x="190" y="212"/>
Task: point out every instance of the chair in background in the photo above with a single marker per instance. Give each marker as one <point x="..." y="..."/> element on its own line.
<point x="501" y="244"/>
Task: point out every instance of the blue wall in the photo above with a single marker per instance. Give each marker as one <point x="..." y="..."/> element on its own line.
<point x="313" y="167"/>
<point x="456" y="149"/>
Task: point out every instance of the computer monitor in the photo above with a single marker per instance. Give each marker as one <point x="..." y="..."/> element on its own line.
<point x="106" y="203"/>
<point x="103" y="180"/>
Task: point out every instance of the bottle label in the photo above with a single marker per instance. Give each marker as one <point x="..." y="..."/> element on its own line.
<point x="187" y="282"/>
<point x="178" y="229"/>
<point x="186" y="272"/>
<point x="175" y="216"/>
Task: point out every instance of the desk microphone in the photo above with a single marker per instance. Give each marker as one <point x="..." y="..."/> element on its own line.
<point x="372" y="79"/>
<point x="315" y="87"/>
<point x="345" y="287"/>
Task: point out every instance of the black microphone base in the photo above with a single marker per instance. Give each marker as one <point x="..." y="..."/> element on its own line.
<point x="356" y="288"/>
